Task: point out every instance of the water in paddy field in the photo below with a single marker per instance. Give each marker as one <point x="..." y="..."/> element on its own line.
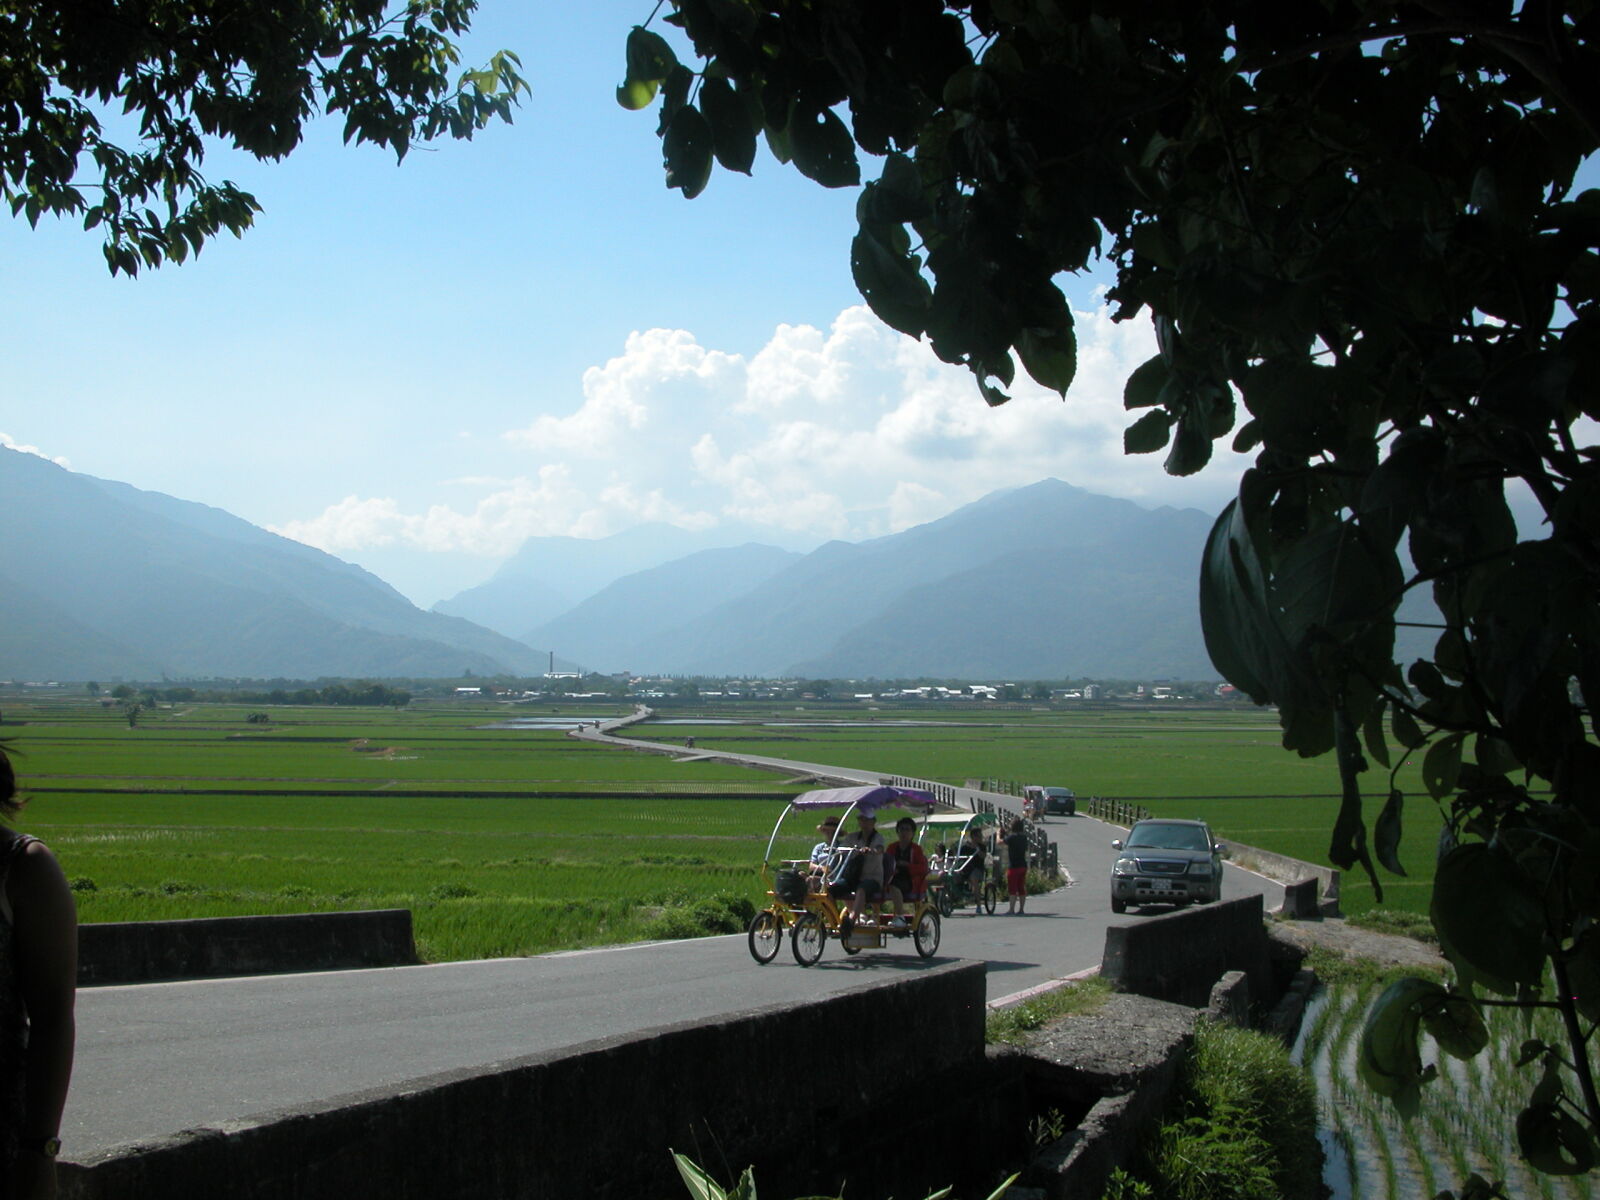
<point x="552" y="722"/>
<point x="1467" y="1122"/>
<point x="856" y="724"/>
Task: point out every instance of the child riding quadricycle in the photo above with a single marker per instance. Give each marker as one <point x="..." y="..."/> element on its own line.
<point x="959" y="861"/>
<point x="853" y="873"/>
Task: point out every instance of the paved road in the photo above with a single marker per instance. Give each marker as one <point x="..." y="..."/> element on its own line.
<point x="158" y="1058"/>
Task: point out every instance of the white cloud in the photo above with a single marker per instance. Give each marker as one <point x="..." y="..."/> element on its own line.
<point x="11" y="443"/>
<point x="851" y="432"/>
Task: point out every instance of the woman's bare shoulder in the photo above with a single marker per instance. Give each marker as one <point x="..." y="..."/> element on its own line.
<point x="34" y="865"/>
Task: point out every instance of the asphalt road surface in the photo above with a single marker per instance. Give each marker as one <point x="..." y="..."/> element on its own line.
<point x="155" y="1059"/>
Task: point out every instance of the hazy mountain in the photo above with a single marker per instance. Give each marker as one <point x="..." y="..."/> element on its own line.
<point x="104" y="580"/>
<point x="623" y="622"/>
<point x="1054" y="613"/>
<point x="548" y="576"/>
<point x="1001" y="581"/>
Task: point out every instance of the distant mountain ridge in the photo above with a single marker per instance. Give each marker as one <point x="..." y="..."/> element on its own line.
<point x="1044" y="581"/>
<point x="102" y="580"/>
<point x="548" y="576"/>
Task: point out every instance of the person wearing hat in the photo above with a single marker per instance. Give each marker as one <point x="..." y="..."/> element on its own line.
<point x="860" y="875"/>
<point x="822" y="853"/>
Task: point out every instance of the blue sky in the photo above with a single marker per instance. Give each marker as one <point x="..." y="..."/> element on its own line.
<point x="417" y="367"/>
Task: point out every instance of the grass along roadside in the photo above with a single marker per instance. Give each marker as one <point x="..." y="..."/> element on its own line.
<point x="1012" y="1024"/>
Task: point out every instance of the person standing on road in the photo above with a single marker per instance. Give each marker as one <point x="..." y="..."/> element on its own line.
<point x="38" y="981"/>
<point x="1017" y="868"/>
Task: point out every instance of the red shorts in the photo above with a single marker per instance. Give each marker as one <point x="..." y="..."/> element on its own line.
<point x="1016" y="881"/>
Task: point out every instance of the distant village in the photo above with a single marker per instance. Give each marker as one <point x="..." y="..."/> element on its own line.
<point x="667" y="690"/>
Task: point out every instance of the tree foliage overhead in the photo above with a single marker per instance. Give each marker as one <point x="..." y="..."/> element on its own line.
<point x="248" y="73"/>
<point x="1354" y="227"/>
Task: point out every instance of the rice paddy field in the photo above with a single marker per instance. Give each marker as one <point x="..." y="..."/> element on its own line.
<point x="1464" y="1125"/>
<point x="518" y="840"/>
<point x="501" y="841"/>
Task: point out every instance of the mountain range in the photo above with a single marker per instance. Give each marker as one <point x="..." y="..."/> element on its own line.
<point x="100" y="580"/>
<point x="1045" y="581"/>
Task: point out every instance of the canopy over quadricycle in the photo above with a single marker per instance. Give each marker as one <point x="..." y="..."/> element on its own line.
<point x="827" y="892"/>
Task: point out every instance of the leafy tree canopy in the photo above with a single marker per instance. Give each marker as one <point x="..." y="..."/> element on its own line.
<point x="249" y="73"/>
<point x="1353" y="224"/>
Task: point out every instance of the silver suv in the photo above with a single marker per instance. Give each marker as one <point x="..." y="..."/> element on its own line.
<point x="1167" y="862"/>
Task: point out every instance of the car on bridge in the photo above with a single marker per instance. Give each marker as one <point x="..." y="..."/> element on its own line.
<point x="1042" y="801"/>
<point x="1167" y="861"/>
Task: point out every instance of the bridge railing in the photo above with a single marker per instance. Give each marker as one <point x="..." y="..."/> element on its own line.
<point x="1115" y="812"/>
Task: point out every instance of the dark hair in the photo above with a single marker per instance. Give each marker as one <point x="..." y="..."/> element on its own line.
<point x="1017" y="826"/>
<point x="904" y="823"/>
<point x="9" y="804"/>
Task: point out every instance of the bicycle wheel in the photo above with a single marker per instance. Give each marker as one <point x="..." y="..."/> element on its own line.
<point x="807" y="939"/>
<point x="990" y="897"/>
<point x="947" y="902"/>
<point x="926" y="933"/>
<point x="766" y="936"/>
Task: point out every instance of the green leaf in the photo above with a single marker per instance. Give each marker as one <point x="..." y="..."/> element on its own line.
<point x="1148" y="434"/>
<point x="1583" y="974"/>
<point x="636" y="93"/>
<point x="1388" y="1060"/>
<point x="701" y="1186"/>
<point x="823" y="149"/>
<point x="891" y="283"/>
<point x="1489" y="918"/>
<point x="1441" y="767"/>
<point x="1143" y="389"/>
<point x="1191" y="441"/>
<point x="1372" y="734"/>
<point x="1386" y="833"/>
<point x="1245" y="635"/>
<point x="686" y="147"/>
<point x="649" y="56"/>
<point x="1494" y="755"/>
<point x="1406" y="730"/>
<point x="1050" y="356"/>
<point x="1456" y="1026"/>
<point x="1554" y="1142"/>
<point x="733" y="128"/>
<point x="1425" y="677"/>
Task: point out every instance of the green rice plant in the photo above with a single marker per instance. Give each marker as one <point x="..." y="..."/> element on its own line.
<point x="1457" y="1132"/>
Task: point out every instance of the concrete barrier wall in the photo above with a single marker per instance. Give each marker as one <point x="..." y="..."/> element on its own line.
<point x="152" y="951"/>
<point x="810" y="1094"/>
<point x="1179" y="955"/>
<point x="1285" y="869"/>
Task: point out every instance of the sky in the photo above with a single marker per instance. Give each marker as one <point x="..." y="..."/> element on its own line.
<point x="417" y="367"/>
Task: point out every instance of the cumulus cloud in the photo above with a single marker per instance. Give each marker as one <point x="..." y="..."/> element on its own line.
<point x="11" y="443"/>
<point x="850" y="432"/>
